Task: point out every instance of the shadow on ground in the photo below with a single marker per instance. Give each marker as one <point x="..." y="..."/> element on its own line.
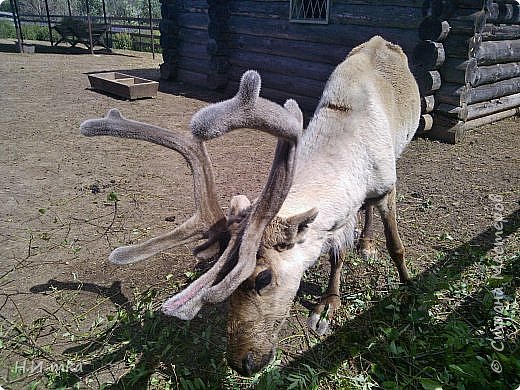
<point x="363" y="334"/>
<point x="145" y="340"/>
<point x="66" y="50"/>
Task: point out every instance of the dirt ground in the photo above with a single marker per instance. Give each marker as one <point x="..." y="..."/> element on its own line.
<point x="57" y="225"/>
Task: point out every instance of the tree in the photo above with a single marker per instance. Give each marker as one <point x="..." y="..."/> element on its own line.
<point x="5" y="6"/>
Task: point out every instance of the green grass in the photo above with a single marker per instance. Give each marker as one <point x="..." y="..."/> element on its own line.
<point x="434" y="335"/>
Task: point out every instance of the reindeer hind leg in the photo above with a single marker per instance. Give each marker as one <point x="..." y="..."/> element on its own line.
<point x="387" y="209"/>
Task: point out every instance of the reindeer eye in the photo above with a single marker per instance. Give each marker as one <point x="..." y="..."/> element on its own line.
<point x="263" y="279"/>
<point x="282" y="246"/>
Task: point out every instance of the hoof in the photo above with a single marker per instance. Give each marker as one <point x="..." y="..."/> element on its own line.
<point x="368" y="253"/>
<point x="318" y="325"/>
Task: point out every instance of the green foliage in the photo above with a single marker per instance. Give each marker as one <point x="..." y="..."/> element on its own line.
<point x="122" y="41"/>
<point x="7" y="30"/>
<point x="128" y="8"/>
<point x="5" y="6"/>
<point x="35" y="33"/>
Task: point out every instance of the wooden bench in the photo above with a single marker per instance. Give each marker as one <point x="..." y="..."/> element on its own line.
<point x="74" y="31"/>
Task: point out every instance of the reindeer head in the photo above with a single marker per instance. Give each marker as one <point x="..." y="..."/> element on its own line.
<point x="259" y="306"/>
<point x="255" y="245"/>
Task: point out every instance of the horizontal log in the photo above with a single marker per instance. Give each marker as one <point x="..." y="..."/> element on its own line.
<point x="192" y="35"/>
<point x="491" y="91"/>
<point x="197" y="21"/>
<point x="429" y="55"/>
<point x="492" y="32"/>
<point x="457" y="94"/>
<point x="450" y="93"/>
<point x="427" y="104"/>
<point x="493" y="52"/>
<point x="493" y="106"/>
<point x="471" y="124"/>
<point x="433" y="29"/>
<point x="283" y="65"/>
<point x="288" y="84"/>
<point x="192" y="50"/>
<point x="342" y="35"/>
<point x="505" y="13"/>
<point x="468" y="24"/>
<point x="307" y="104"/>
<point x="315" y="52"/>
<point x="260" y="9"/>
<point x="449" y="110"/>
<point x="193" y="65"/>
<point x="376" y="15"/>
<point x="428" y="82"/>
<point x="446" y="129"/>
<point x="441" y="9"/>
<point x="216" y="81"/>
<point x="425" y="124"/>
<point x="461" y="46"/>
<point x="408" y="3"/>
<point x="193" y="78"/>
<point x="405" y="3"/>
<point x="471" y="3"/>
<point x="480" y="75"/>
<point x="454" y="70"/>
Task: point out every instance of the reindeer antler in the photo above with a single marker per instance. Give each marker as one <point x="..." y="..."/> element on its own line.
<point x="237" y="262"/>
<point x="246" y="109"/>
<point x="208" y="220"/>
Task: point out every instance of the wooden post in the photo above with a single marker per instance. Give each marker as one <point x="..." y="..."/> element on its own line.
<point x="139" y="33"/>
<point x="17" y="27"/>
<point x="89" y="20"/>
<point x="151" y="28"/>
<point x="106" y="24"/>
<point x="49" y="21"/>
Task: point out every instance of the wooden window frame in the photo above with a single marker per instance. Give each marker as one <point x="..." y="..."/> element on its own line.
<point x="293" y="19"/>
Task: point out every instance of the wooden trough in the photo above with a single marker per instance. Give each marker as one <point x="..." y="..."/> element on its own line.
<point x="123" y="85"/>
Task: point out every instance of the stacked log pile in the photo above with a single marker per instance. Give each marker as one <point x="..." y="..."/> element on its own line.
<point x="478" y="43"/>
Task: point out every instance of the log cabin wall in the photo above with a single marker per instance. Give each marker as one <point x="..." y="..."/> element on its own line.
<point x="211" y="43"/>
<point x="472" y="49"/>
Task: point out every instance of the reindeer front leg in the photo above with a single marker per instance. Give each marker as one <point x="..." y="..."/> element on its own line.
<point x="323" y="313"/>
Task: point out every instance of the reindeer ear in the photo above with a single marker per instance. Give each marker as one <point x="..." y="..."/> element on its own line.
<point x="295" y="229"/>
<point x="302" y="221"/>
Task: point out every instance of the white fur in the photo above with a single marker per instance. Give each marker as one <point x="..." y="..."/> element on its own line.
<point x="349" y="155"/>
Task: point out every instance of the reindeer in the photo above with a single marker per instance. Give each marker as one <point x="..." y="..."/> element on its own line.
<point x="319" y="179"/>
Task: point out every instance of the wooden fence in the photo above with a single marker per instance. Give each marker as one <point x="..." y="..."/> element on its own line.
<point x="144" y="32"/>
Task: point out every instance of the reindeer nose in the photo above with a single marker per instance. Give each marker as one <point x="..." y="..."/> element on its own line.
<point x="248" y="364"/>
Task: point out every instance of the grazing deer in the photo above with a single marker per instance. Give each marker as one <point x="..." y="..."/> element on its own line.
<point x="319" y="179"/>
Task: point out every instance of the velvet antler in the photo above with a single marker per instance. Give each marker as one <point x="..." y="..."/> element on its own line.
<point x="246" y="109"/>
